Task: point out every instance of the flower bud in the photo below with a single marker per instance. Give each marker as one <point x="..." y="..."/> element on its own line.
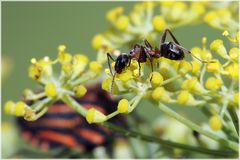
<point x="125" y="76"/>
<point x="184" y="67"/>
<point x="20" y="108"/>
<point x="9" y="107"/>
<point x="185" y="98"/>
<point x="80" y="90"/>
<point x="50" y="90"/>
<point x="123" y="106"/>
<point x="122" y="23"/>
<point x="218" y="47"/>
<point x="193" y="86"/>
<point x="215" y="123"/>
<point x="98" y="41"/>
<point x="159" y="23"/>
<point x="64" y="57"/>
<point x="213" y="83"/>
<point x="114" y="13"/>
<point x="234" y="53"/>
<point x="95" y="67"/>
<point x="95" y="116"/>
<point x="232" y="70"/>
<point x="196" y="67"/>
<point x="157" y="78"/>
<point x="214" y="67"/>
<point x="160" y="94"/>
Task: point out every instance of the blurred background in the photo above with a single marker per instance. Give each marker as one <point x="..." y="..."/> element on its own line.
<point x="35" y="29"/>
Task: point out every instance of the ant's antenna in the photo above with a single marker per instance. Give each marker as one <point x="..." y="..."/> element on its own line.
<point x="211" y="61"/>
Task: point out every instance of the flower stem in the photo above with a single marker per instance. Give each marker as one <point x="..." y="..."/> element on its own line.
<point x="235" y="119"/>
<point x="166" y="142"/>
<point x="193" y="126"/>
<point x="72" y="103"/>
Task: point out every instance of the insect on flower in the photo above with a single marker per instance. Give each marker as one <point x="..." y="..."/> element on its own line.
<point x="62" y="127"/>
<point x="140" y="53"/>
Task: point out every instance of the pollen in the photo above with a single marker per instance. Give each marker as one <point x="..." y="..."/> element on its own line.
<point x="97" y="41"/>
<point x="9" y="107"/>
<point x="122" y="23"/>
<point x="51" y="90"/>
<point x="123" y="106"/>
<point x="159" y="23"/>
<point x="213" y="83"/>
<point x="80" y="90"/>
<point x="215" y="122"/>
<point x="20" y="108"/>
<point x="95" y="116"/>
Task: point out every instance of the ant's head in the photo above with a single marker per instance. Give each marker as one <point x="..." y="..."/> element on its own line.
<point x="121" y="62"/>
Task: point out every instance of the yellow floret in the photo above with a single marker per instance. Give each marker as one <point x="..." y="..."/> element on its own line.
<point x="20" y="108"/>
<point x="213" y="83"/>
<point x="214" y="67"/>
<point x="80" y="90"/>
<point x="114" y="13"/>
<point x="64" y="57"/>
<point x="97" y="41"/>
<point x="210" y="16"/>
<point x="218" y="47"/>
<point x="95" y="67"/>
<point x="157" y="78"/>
<point x="122" y="23"/>
<point x="159" y="23"/>
<point x="185" y="98"/>
<point x="215" y="123"/>
<point x="234" y="53"/>
<point x="9" y="107"/>
<point x="123" y="106"/>
<point x="125" y="75"/>
<point x="61" y="48"/>
<point x="232" y="70"/>
<point x="51" y="90"/>
<point x="95" y="116"/>
<point x="184" y="67"/>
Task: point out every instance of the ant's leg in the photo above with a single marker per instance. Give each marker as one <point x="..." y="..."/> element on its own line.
<point x="150" y="59"/>
<point x="129" y="62"/>
<point x="112" y="83"/>
<point x="139" y="69"/>
<point x="173" y="37"/>
<point x="147" y="44"/>
<point x="110" y="57"/>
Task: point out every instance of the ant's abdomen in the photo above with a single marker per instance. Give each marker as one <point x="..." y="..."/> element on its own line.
<point x="170" y="51"/>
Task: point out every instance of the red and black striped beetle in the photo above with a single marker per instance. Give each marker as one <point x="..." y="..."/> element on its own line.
<point x="62" y="127"/>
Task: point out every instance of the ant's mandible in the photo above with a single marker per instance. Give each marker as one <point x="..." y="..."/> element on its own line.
<point x="140" y="53"/>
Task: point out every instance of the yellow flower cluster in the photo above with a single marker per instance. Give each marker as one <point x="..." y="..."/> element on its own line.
<point x="75" y="71"/>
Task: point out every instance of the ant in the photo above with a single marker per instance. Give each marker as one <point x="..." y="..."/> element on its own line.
<point x="170" y="50"/>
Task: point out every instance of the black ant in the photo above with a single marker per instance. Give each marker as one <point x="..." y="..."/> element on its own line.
<point x="170" y="50"/>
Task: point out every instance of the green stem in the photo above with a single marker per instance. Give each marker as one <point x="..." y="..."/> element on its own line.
<point x="235" y="119"/>
<point x="172" y="79"/>
<point x="74" y="104"/>
<point x="113" y="114"/>
<point x="193" y="126"/>
<point x="166" y="142"/>
<point x="84" y="78"/>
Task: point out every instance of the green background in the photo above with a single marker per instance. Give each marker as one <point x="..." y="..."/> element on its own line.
<point x="35" y="29"/>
